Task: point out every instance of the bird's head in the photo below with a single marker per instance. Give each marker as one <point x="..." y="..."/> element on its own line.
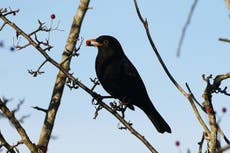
<point x="105" y="42"/>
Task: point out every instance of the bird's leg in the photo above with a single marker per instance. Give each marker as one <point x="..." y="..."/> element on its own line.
<point x="123" y="106"/>
<point x="97" y="97"/>
<point x="123" y="109"/>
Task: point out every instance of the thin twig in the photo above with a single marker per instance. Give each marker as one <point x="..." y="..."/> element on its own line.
<point x="187" y="95"/>
<point x="201" y="143"/>
<point x="224" y="40"/>
<point x="186" y="27"/>
<point x="223" y="149"/>
<point x="25" y="138"/>
<point x="4" y="143"/>
<point x="223" y="135"/>
<point x="39" y="109"/>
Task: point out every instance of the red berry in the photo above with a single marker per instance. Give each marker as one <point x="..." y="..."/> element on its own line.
<point x="52" y="16"/>
<point x="177" y="143"/>
<point x="88" y="43"/>
<point x="224" y="109"/>
<point x="209" y="110"/>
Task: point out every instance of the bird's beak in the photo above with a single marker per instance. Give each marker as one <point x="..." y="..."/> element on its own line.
<point x="93" y="42"/>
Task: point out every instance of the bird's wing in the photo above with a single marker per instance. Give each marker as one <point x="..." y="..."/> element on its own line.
<point x="132" y="82"/>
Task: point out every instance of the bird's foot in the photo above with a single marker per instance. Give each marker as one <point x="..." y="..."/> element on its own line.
<point x="120" y="107"/>
<point x="97" y="98"/>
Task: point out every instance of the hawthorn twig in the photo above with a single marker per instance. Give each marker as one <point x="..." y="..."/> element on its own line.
<point x="186" y="27"/>
<point x="4" y="143"/>
<point x="201" y="143"/>
<point x="25" y="138"/>
<point x="35" y="73"/>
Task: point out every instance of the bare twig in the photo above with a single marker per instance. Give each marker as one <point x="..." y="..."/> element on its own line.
<point x="201" y="143"/>
<point x="5" y="12"/>
<point x="39" y="109"/>
<point x="223" y="149"/>
<point x="223" y="135"/>
<point x="187" y="95"/>
<point x="22" y="119"/>
<point x="4" y="143"/>
<point x="2" y="26"/>
<point x="224" y="40"/>
<point x="95" y="82"/>
<point x="186" y="27"/>
<point x="35" y="73"/>
<point x="25" y="138"/>
<point x="193" y="97"/>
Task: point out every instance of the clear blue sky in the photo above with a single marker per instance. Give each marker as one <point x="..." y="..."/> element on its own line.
<point x="75" y="128"/>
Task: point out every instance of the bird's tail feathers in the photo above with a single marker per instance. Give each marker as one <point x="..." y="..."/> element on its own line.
<point x="160" y="124"/>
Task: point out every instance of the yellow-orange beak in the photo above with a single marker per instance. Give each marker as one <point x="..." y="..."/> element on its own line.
<point x="93" y="42"/>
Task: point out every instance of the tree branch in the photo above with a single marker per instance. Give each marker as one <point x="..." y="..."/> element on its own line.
<point x="61" y="77"/>
<point x="4" y="143"/>
<point x="186" y="27"/>
<point x="21" y="131"/>
<point x="187" y="95"/>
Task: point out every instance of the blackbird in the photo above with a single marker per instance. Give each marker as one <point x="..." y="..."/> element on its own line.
<point x="121" y="80"/>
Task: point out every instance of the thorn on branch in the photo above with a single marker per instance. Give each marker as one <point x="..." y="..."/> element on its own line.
<point x="5" y="12"/>
<point x="39" y="109"/>
<point x="207" y="79"/>
<point x="120" y="127"/>
<point x="72" y="84"/>
<point x="95" y="82"/>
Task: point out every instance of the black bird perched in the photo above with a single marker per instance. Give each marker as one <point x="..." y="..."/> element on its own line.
<point x="121" y="80"/>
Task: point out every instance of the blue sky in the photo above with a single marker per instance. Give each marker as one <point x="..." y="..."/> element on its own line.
<point x="75" y="127"/>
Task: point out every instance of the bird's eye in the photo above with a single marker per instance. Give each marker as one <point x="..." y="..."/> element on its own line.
<point x="105" y="42"/>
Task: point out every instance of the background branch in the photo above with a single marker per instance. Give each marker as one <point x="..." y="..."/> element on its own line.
<point x="187" y="95"/>
<point x="25" y="138"/>
<point x="186" y="27"/>
<point x="4" y="143"/>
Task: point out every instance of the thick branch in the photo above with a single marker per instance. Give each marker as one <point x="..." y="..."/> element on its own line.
<point x="61" y="77"/>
